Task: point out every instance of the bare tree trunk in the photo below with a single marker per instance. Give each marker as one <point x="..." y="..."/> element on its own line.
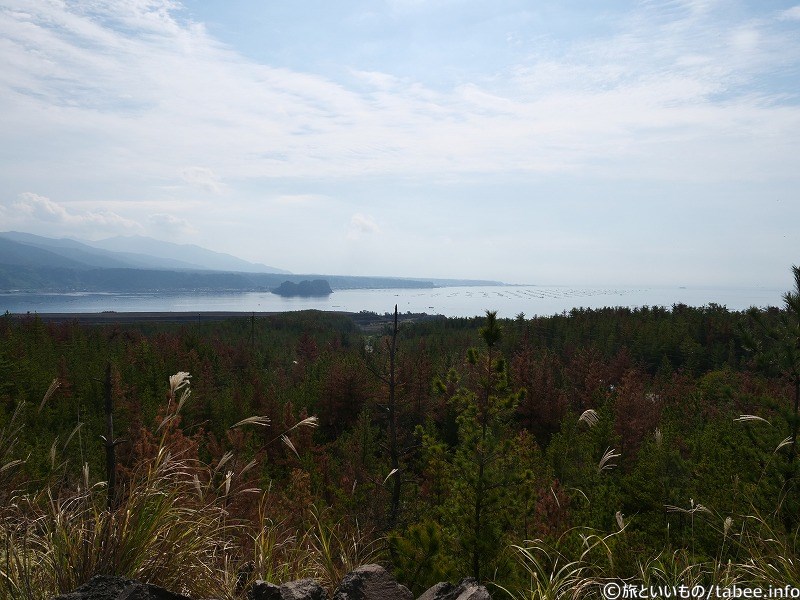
<point x="394" y="452"/>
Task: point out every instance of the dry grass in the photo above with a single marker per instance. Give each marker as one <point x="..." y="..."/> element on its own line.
<point x="161" y="530"/>
<point x="766" y="558"/>
<point x="339" y="547"/>
<point x="555" y="573"/>
<point x="321" y="549"/>
<point x="171" y="525"/>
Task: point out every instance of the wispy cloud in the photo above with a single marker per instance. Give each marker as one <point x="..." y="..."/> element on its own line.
<point x="160" y="92"/>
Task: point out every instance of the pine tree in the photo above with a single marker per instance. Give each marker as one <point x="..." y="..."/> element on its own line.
<point x="484" y="472"/>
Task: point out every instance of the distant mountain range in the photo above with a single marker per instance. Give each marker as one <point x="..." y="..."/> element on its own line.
<point x="32" y="263"/>
<point x="129" y="252"/>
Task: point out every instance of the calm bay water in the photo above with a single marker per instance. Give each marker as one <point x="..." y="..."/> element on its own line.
<point x="508" y="301"/>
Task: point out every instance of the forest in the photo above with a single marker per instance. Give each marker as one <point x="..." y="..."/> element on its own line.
<point x="542" y="456"/>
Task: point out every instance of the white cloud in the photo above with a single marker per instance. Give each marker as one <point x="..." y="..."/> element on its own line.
<point x="39" y="207"/>
<point x="202" y="177"/>
<point x="745" y="39"/>
<point x="33" y="212"/>
<point x="169" y="226"/>
<point x="381" y="81"/>
<point x="361" y="225"/>
<point x="791" y="14"/>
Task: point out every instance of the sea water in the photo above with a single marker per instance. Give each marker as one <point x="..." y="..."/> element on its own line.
<point x="508" y="301"/>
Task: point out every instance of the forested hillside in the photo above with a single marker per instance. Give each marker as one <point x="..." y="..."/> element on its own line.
<point x="653" y="444"/>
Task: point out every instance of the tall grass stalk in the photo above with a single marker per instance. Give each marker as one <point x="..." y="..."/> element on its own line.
<point x="772" y="554"/>
<point x="338" y="547"/>
<point x="159" y="532"/>
<point x="554" y="573"/>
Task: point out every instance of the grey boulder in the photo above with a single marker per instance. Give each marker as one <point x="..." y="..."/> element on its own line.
<point x="371" y="582"/>
<point x="468" y="589"/>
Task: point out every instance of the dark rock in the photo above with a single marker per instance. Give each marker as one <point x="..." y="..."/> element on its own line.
<point x="262" y="590"/>
<point x="468" y="589"/>
<point x="438" y="591"/>
<point x="303" y="589"/>
<point x="371" y="582"/>
<point x="99" y="587"/>
<point x="109" y="587"/>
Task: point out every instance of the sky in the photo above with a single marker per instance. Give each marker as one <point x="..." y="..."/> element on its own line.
<point x="581" y="142"/>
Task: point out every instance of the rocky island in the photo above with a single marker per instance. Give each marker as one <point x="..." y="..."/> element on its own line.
<point x="306" y="288"/>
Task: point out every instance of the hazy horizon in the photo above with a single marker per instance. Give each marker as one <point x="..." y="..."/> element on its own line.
<point x="584" y="143"/>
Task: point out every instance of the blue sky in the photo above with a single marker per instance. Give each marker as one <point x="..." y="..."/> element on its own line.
<point x="585" y="142"/>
